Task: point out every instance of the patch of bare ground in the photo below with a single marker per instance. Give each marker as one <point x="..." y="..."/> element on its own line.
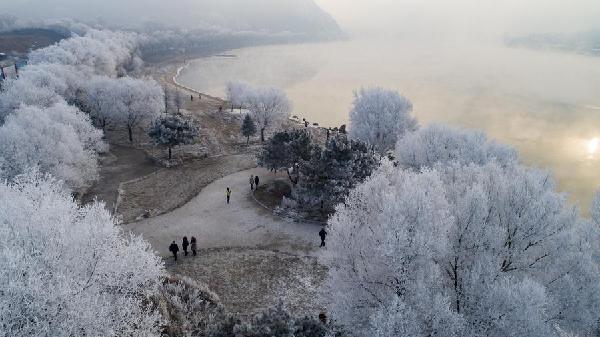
<point x="271" y="193"/>
<point x="120" y="164"/>
<point x="249" y="279"/>
<point x="170" y="188"/>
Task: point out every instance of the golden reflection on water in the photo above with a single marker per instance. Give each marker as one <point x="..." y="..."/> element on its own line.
<point x="543" y="103"/>
<point x="592" y="147"/>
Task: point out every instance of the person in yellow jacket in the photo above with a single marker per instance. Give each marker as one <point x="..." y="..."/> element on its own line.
<point x="228" y="193"/>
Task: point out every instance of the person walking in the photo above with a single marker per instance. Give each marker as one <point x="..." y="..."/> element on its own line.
<point x="192" y="98"/>
<point x="193" y="246"/>
<point x="256" y="180"/>
<point x="185" y="245"/>
<point x="228" y="193"/>
<point x="251" y="182"/>
<point x="173" y="248"/>
<point x="323" y="234"/>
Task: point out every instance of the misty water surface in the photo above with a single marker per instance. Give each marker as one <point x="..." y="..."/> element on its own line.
<point x="546" y="104"/>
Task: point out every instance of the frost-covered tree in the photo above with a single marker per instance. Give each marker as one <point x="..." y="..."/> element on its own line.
<point x="66" y="69"/>
<point x="248" y="128"/>
<point x="100" y="52"/>
<point x="68" y="270"/>
<point x="512" y="258"/>
<point x="384" y="243"/>
<point x="172" y="131"/>
<point x="136" y="102"/>
<point x="236" y="92"/>
<point x="286" y="149"/>
<point x="269" y="106"/>
<point x="178" y="100"/>
<point x="38" y="85"/>
<point x="98" y="100"/>
<point x="59" y="140"/>
<point x="331" y="172"/>
<point x="380" y="117"/>
<point x="515" y="234"/>
<point x="440" y="144"/>
<point x="595" y="208"/>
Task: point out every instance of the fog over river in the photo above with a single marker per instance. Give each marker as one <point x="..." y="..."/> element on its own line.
<point x="546" y="104"/>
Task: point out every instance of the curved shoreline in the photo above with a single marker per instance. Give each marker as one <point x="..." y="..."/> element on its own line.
<point x="180" y="66"/>
<point x="172" y="74"/>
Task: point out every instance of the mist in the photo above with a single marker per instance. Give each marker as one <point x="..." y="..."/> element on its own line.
<point x="463" y="19"/>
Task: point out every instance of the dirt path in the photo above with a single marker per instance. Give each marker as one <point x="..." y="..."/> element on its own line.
<point x="250" y="257"/>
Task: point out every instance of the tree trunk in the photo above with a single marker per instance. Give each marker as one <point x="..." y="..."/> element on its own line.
<point x="456" y="288"/>
<point x="130" y="131"/>
<point x="262" y="134"/>
<point x="169" y="153"/>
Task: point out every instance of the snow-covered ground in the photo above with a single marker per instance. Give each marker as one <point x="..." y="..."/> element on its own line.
<point x="249" y="256"/>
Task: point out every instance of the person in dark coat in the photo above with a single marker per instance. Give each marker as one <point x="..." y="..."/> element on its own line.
<point x="185" y="245"/>
<point x="228" y="193"/>
<point x="323" y="234"/>
<point x="194" y="247"/>
<point x="192" y="98"/>
<point x="256" y="180"/>
<point x="173" y="248"/>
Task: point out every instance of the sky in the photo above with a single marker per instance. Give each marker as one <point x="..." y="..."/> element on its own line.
<point x="465" y="17"/>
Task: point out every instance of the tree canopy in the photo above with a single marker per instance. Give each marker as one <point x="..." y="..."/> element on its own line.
<point x="173" y="130"/>
<point x="68" y="270"/>
<point x="285" y="149"/>
<point x="380" y="117"/>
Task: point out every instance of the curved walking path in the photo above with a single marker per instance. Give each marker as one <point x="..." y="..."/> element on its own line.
<point x="215" y="224"/>
<point x="248" y="256"/>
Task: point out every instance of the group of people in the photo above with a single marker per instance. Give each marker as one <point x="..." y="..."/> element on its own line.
<point x="174" y="248"/>
<point x="253" y="181"/>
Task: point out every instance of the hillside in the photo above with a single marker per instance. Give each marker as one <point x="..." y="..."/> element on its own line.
<point x="22" y="40"/>
<point x="302" y="17"/>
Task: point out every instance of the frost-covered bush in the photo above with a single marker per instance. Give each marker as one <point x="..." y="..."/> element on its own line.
<point x="187" y="306"/>
<point x="58" y="140"/>
<point x="273" y="322"/>
<point x="380" y="117"/>
<point x="68" y="270"/>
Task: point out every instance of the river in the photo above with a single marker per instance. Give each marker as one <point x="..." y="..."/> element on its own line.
<point x="546" y="104"/>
